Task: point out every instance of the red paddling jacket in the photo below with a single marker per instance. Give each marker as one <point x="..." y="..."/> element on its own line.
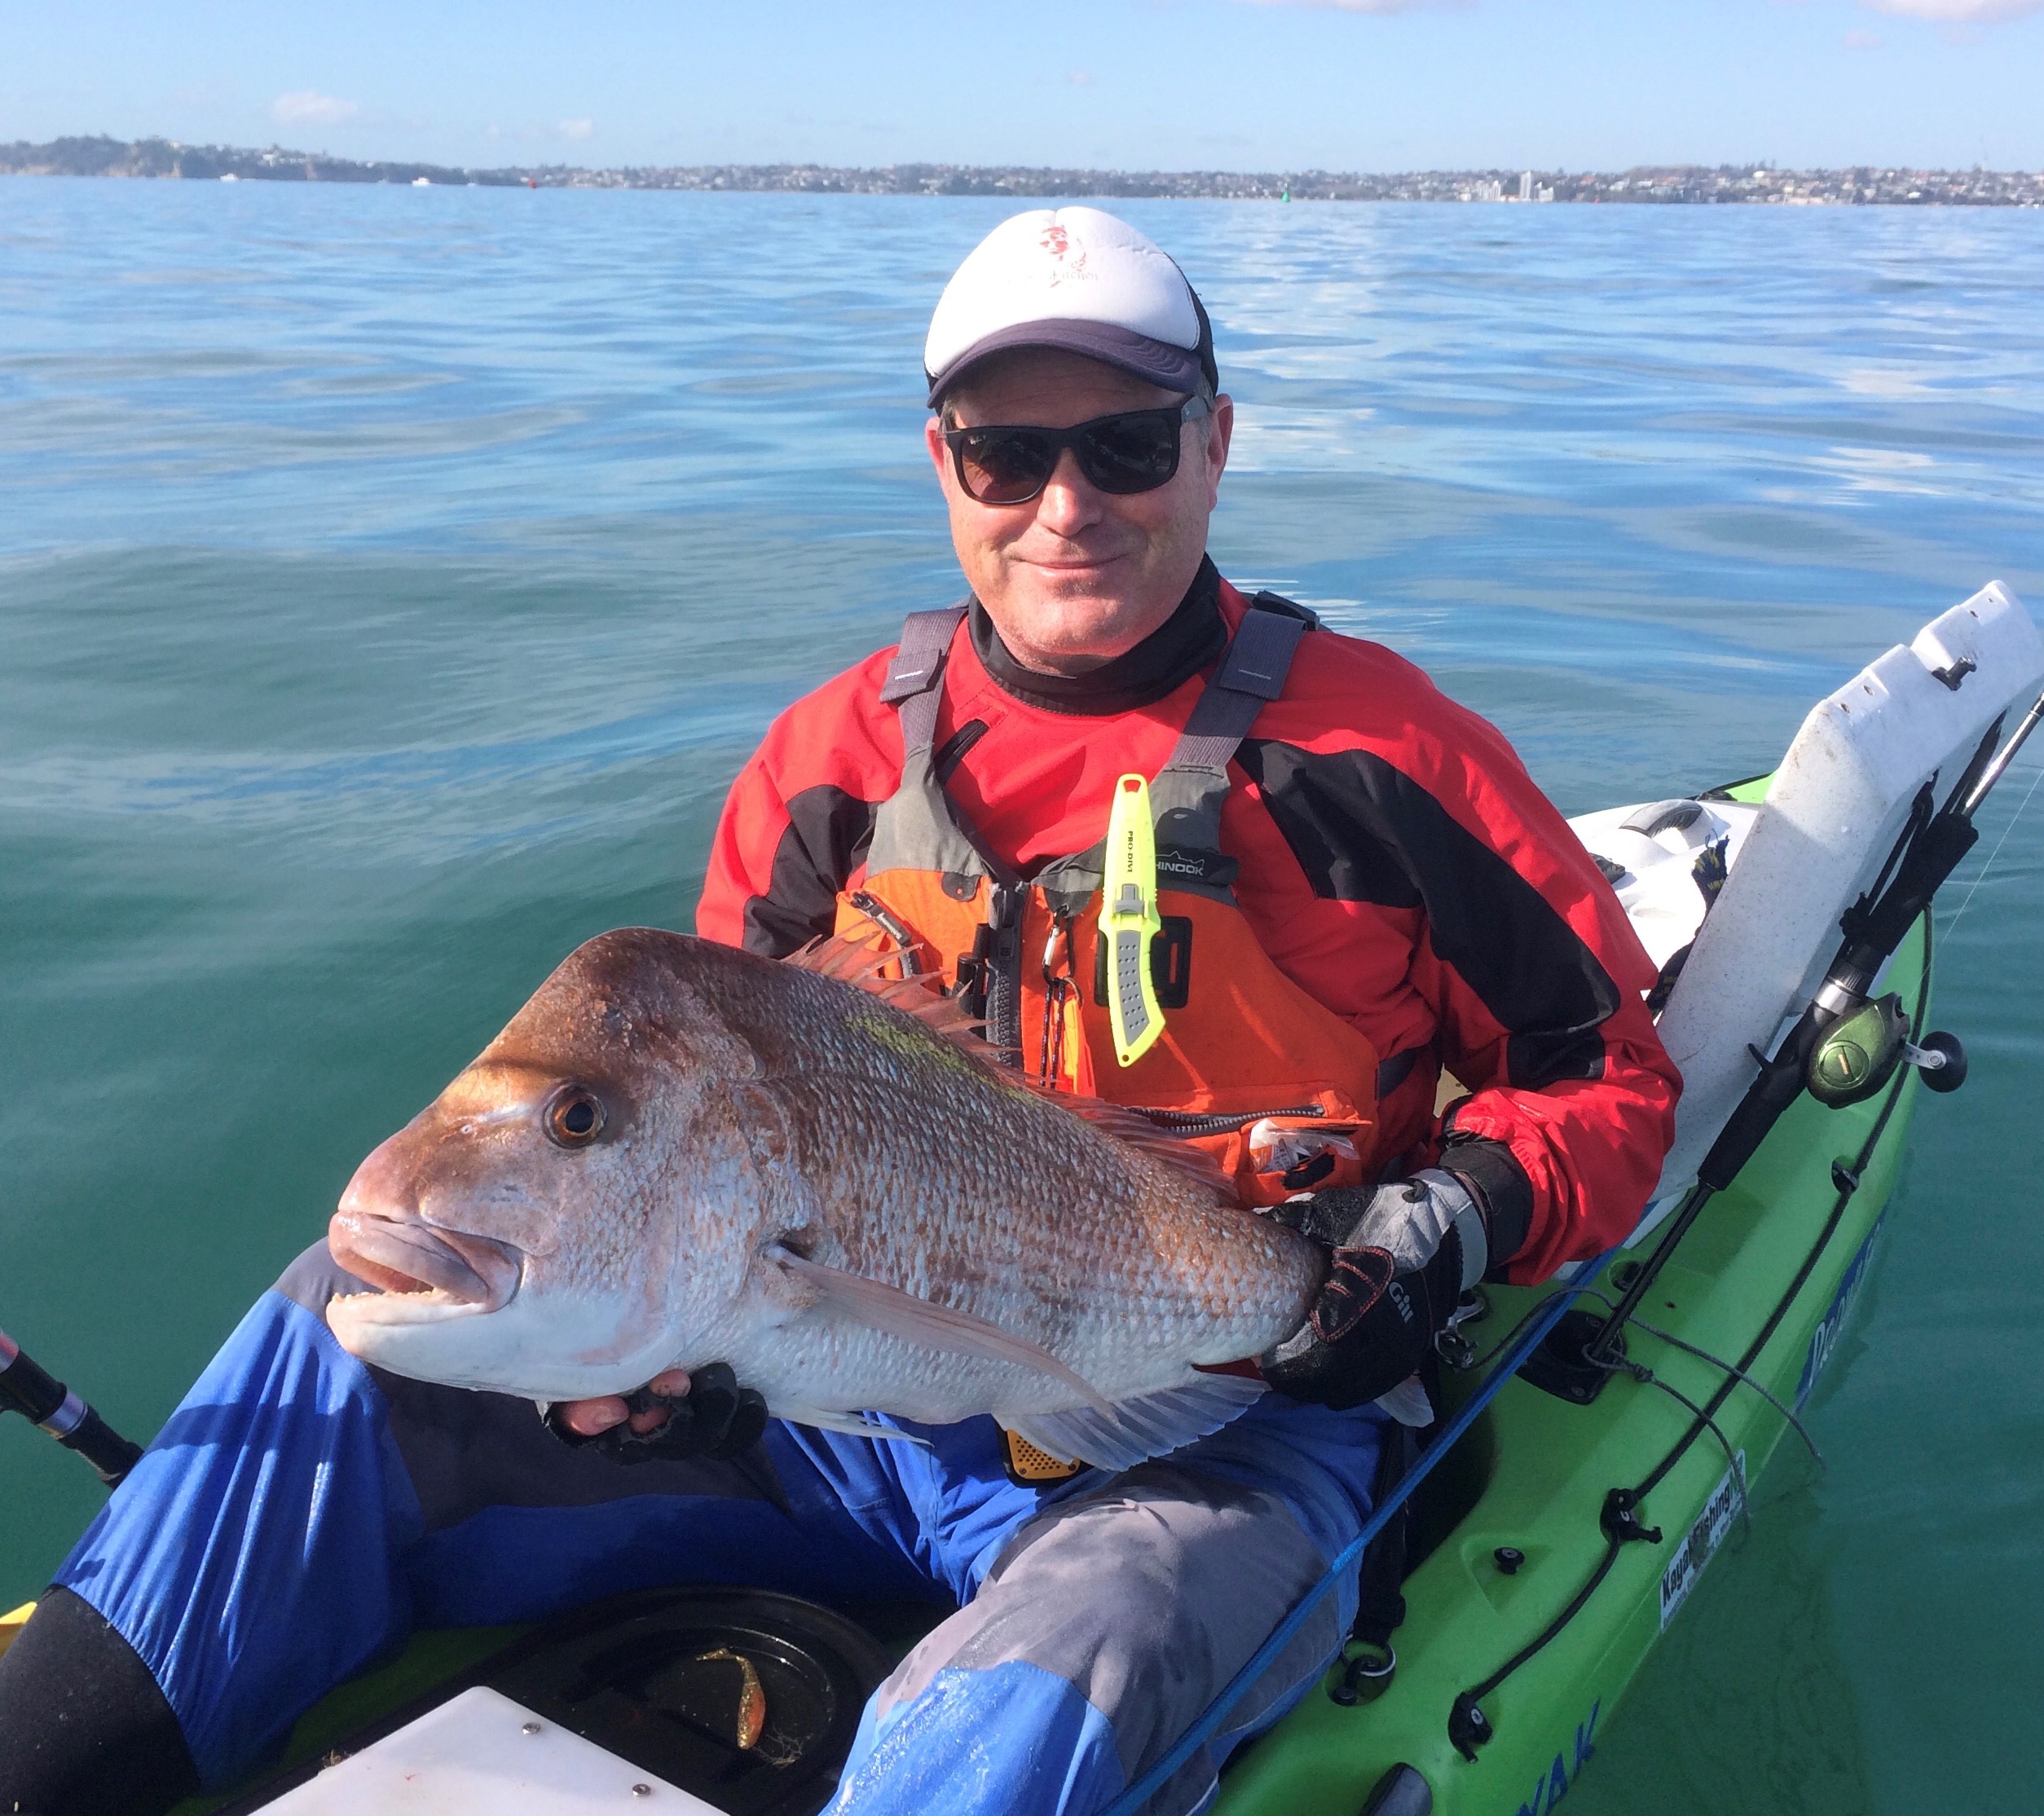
<point x="1382" y="849"/>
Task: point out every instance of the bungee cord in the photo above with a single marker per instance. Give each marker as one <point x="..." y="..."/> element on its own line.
<point x="1637" y="1323"/>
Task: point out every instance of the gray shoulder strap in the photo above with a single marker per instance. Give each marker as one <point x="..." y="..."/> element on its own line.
<point x="918" y="667"/>
<point x="1188" y="793"/>
<point x="916" y="828"/>
<point x="1252" y="672"/>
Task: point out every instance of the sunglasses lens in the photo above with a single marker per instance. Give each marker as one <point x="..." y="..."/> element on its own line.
<point x="1135" y="452"/>
<point x="1005" y="466"/>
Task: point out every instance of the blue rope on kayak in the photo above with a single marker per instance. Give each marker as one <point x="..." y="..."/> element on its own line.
<point x="1217" y="1711"/>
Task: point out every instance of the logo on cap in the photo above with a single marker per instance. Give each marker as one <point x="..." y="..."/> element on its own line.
<point x="1058" y="243"/>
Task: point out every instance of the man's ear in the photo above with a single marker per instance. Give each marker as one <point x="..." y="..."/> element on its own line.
<point x="1220" y="430"/>
<point x="940" y="452"/>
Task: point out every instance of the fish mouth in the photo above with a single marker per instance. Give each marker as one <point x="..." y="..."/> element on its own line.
<point x="417" y="1269"/>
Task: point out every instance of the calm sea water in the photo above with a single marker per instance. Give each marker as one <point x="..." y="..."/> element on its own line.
<point x="391" y="580"/>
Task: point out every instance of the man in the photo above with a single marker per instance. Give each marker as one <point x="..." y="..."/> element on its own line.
<point x="1362" y="887"/>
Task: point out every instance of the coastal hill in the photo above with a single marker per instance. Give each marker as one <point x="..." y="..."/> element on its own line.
<point x="101" y="157"/>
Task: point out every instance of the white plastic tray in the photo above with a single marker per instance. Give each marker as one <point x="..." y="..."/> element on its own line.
<point x="481" y="1754"/>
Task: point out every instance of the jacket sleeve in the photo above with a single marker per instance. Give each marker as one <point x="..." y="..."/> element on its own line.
<point x="1419" y="817"/>
<point x="797" y="822"/>
<point x="1538" y="985"/>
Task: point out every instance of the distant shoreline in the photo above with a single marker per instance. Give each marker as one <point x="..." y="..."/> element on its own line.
<point x="167" y="158"/>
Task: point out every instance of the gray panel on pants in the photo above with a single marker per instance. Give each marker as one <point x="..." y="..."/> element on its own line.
<point x="1147" y="1597"/>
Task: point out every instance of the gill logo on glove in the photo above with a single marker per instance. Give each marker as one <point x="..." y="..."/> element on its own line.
<point x="1129" y="921"/>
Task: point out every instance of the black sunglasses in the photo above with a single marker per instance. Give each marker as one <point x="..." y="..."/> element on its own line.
<point x="1131" y="452"/>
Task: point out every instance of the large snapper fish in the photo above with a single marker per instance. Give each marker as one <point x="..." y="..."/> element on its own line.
<point x="678" y="1153"/>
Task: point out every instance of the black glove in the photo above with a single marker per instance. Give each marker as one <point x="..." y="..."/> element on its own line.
<point x="717" y="1418"/>
<point x="1399" y="1256"/>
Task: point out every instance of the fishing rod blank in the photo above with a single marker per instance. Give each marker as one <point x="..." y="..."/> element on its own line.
<point x="32" y="1391"/>
<point x="2007" y="756"/>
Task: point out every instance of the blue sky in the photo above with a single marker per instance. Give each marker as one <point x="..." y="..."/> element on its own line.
<point x="1172" y="84"/>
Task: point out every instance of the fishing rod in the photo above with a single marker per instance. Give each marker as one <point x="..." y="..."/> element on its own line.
<point x="32" y="1391"/>
<point x="1845" y="1046"/>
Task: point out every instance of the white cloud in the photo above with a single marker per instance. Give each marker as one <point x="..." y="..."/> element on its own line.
<point x="577" y="129"/>
<point x="1956" y="12"/>
<point x="303" y="107"/>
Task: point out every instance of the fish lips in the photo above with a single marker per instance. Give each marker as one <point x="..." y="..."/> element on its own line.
<point x="422" y="1268"/>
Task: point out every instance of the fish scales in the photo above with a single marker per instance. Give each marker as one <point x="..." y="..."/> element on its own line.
<point x="747" y="1113"/>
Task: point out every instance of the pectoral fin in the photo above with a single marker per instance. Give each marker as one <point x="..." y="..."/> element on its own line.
<point x="858" y="1424"/>
<point x="920" y="1322"/>
<point x="1134" y="1430"/>
<point x="1408" y="1403"/>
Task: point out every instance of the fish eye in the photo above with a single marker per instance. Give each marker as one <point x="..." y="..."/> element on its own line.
<point x="573" y="1117"/>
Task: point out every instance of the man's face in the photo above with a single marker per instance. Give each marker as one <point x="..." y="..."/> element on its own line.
<point x="1077" y="575"/>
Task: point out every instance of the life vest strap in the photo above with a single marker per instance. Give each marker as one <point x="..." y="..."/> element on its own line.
<point x="916" y="670"/>
<point x="1190" y="789"/>
<point x="1251" y="675"/>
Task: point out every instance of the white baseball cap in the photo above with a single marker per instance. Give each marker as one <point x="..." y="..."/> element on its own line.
<point x="1077" y="279"/>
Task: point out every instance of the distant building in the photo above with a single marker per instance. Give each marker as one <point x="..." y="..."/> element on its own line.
<point x="102" y="157"/>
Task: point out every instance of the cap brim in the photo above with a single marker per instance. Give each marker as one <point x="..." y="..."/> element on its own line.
<point x="1173" y="368"/>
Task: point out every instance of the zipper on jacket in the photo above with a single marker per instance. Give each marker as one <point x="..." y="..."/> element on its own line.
<point x="1187" y="1123"/>
<point x="1003" y="971"/>
<point x="891" y="925"/>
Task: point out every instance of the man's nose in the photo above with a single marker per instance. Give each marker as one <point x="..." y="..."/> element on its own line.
<point x="1070" y="501"/>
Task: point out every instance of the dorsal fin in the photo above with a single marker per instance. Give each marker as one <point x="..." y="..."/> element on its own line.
<point x="852" y="958"/>
<point x="859" y="959"/>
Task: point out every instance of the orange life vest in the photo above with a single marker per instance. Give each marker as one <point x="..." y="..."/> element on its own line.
<point x="1281" y="1089"/>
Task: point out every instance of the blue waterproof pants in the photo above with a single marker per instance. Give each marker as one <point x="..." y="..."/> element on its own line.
<point x="300" y="1513"/>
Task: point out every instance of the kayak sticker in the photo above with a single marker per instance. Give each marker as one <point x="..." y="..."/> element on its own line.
<point x="1553" y="1785"/>
<point x="1824" y="1339"/>
<point x="1705" y="1536"/>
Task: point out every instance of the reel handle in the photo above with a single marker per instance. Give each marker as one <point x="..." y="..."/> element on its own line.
<point x="29" y="1389"/>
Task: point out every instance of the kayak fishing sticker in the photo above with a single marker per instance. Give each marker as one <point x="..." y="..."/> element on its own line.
<point x="1824" y="1339"/>
<point x="1704" y="1537"/>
